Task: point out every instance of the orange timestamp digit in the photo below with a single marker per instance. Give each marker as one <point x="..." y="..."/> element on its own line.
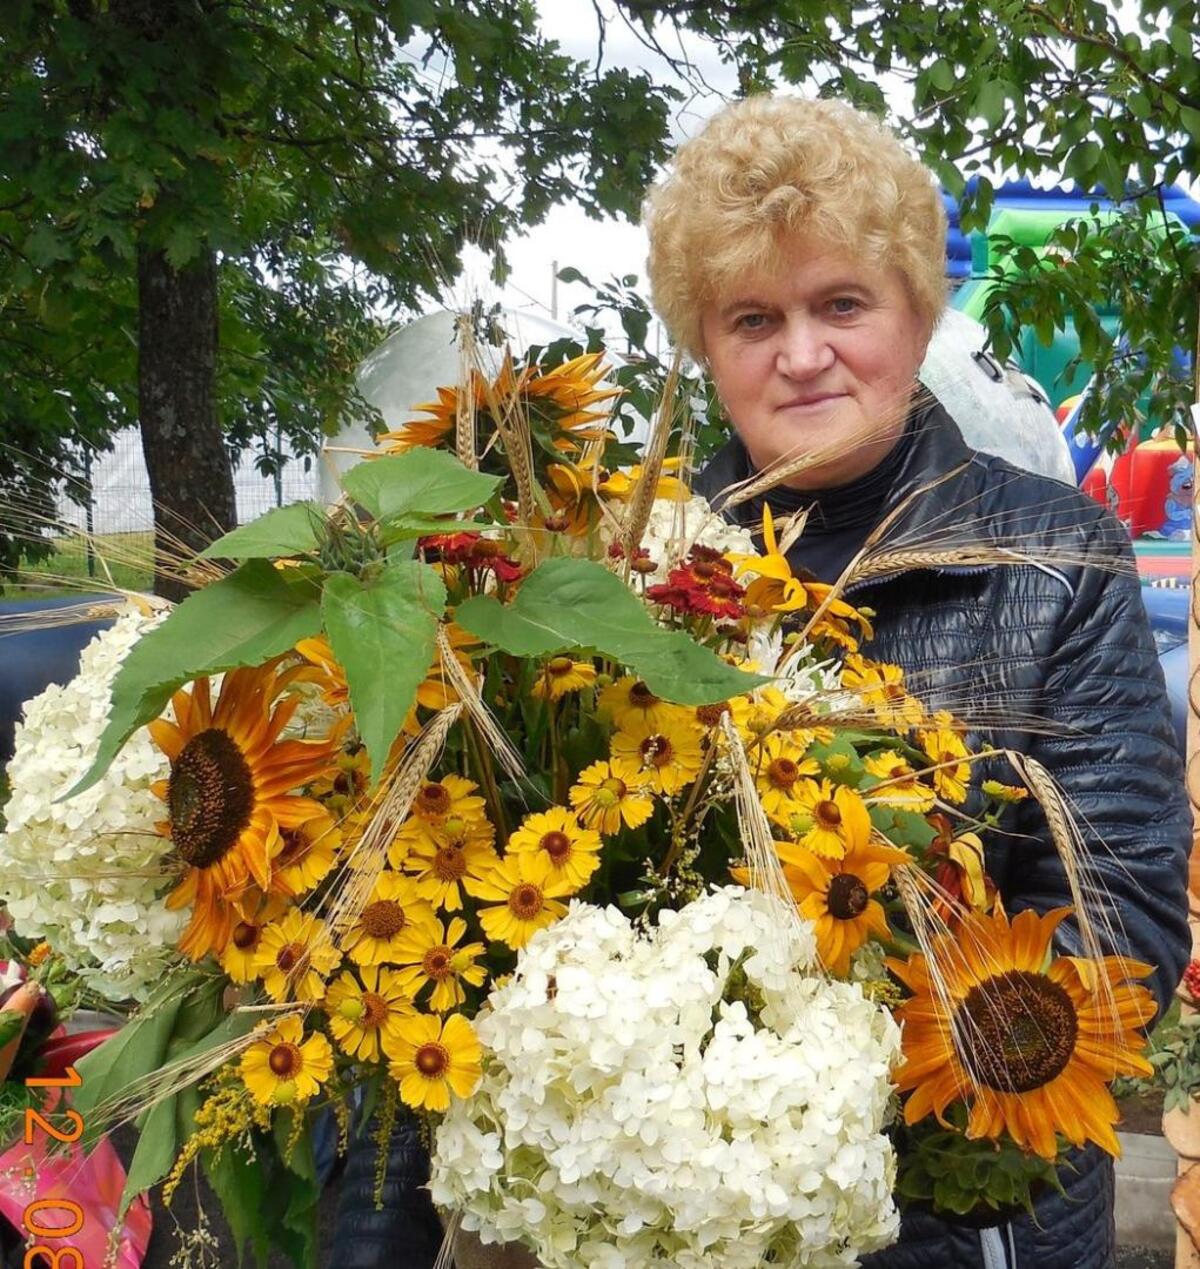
<point x="41" y="1255"/>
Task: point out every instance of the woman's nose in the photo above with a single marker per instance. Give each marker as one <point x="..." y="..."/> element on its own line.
<point x="804" y="349"/>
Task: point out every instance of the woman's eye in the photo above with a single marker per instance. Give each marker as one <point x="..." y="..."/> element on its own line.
<point x="752" y="321"/>
<point x="845" y="305"/>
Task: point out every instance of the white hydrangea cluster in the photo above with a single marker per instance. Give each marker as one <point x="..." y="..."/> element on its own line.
<point x="86" y="874"/>
<point x="675" y="527"/>
<point x="696" y="1095"/>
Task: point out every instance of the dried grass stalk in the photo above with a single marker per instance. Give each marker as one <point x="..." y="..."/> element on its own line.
<point x="464" y="404"/>
<point x="641" y="498"/>
<point x="468" y="693"/>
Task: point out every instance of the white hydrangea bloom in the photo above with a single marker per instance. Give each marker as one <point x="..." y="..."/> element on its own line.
<point x="635" y="1110"/>
<point x="86" y="874"/>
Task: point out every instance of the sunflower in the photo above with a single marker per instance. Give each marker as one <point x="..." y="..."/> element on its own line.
<point x="604" y="802"/>
<point x="1018" y="1036"/>
<point x="294" y="957"/>
<point x="432" y="955"/>
<point x="442" y="859"/>
<point x="433" y="1057"/>
<point x="561" y="675"/>
<point x="668" y="754"/>
<point x="945" y="747"/>
<point x="231" y="787"/>
<point x="527" y="893"/>
<point x="364" y="1012"/>
<point x="394" y="906"/>
<point x="881" y="687"/>
<point x="833" y="819"/>
<point x="779" y="775"/>
<point x="836" y="896"/>
<point x="238" y="955"/>
<point x="899" y="785"/>
<point x="573" y="851"/>
<point x="430" y="432"/>
<point x="284" y="1068"/>
<point x="305" y="856"/>
<point x="629" y="702"/>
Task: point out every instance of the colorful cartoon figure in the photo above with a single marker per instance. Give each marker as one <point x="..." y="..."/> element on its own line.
<point x="1177" y="527"/>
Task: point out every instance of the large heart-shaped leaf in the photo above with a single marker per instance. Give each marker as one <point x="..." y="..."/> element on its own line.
<point x="290" y="530"/>
<point x="383" y="633"/>
<point x="255" y="613"/>
<point x="421" y="481"/>
<point x="572" y="603"/>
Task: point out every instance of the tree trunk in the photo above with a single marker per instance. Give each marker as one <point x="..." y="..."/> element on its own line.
<point x="191" y="479"/>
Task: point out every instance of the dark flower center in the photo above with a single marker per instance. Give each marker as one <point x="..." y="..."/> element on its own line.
<point x="449" y="863"/>
<point x="711" y="715"/>
<point x="656" y="751"/>
<point x="291" y="956"/>
<point x="556" y="845"/>
<point x="783" y="773"/>
<point x="1015" y="1031"/>
<point x="436" y="963"/>
<point x="847" y="897"/>
<point x="383" y="919"/>
<point x="210" y="797"/>
<point x="641" y="696"/>
<point x="526" y="901"/>
<point x="433" y="799"/>
<point x="431" y="1060"/>
<point x="295" y="847"/>
<point x="285" y="1061"/>
<point x="827" y="814"/>
<point x="560" y="665"/>
<point x="375" y="1011"/>
<point x="245" y="936"/>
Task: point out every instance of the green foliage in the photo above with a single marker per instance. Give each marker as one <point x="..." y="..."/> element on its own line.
<point x="244" y="619"/>
<point x="334" y="157"/>
<point x="291" y="530"/>
<point x="958" y="1177"/>
<point x="1174" y="1052"/>
<point x="431" y="482"/>
<point x="575" y="603"/>
<point x="383" y="632"/>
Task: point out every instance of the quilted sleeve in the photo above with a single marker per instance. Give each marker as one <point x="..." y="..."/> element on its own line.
<point x="1114" y="756"/>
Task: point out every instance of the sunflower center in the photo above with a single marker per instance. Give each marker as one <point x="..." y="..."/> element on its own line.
<point x="383" y="919"/>
<point x="432" y="1060"/>
<point x="210" y="797"/>
<point x="433" y="800"/>
<point x="556" y="845"/>
<point x="285" y="1061"/>
<point x="828" y="814"/>
<point x="526" y="901"/>
<point x="559" y="666"/>
<point x="1015" y="1031"/>
<point x="437" y="963"/>
<point x="783" y="773"/>
<point x="641" y="696"/>
<point x="711" y="715"/>
<point x="245" y="936"/>
<point x="449" y="864"/>
<point x="847" y="897"/>
<point x="656" y="751"/>
<point x="375" y="1011"/>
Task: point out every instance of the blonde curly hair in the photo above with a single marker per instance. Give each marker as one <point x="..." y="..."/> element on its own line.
<point x="767" y="170"/>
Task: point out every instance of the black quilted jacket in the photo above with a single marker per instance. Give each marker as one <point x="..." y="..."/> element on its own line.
<point x="1058" y="644"/>
<point x="1067" y="650"/>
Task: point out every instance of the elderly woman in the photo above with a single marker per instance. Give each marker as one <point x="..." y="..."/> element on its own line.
<point x="797" y="251"/>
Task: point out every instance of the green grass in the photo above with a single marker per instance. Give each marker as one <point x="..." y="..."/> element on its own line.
<point x="127" y="556"/>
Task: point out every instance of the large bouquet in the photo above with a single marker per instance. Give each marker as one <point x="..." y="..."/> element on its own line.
<point x="525" y="794"/>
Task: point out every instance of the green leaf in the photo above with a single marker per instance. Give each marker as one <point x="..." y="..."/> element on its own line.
<point x="238" y="1182"/>
<point x="291" y="530"/>
<point x="244" y="619"/>
<point x="383" y="633"/>
<point x="420" y="481"/>
<point x="572" y="603"/>
<point x="941" y="75"/>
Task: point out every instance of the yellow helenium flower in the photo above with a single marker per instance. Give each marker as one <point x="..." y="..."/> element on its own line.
<point x="780" y="768"/>
<point x="711" y="717"/>
<point x="900" y="785"/>
<point x="765" y="706"/>
<point x="449" y="803"/>
<point x="833" y="819"/>
<point x="363" y="1015"/>
<point x="1027" y="1042"/>
<point x="881" y="688"/>
<point x="441" y="860"/>
<point x="573" y="851"/>
<point x="284" y="1068"/>
<point x="238" y="955"/>
<point x="526" y="892"/>
<point x="303" y="856"/>
<point x="668" y="755"/>
<point x="433" y="955"/>
<point x="393" y="908"/>
<point x="629" y="702"/>
<point x="604" y="802"/>
<point x="295" y="955"/>
<point x="945" y="746"/>
<point x="433" y="1058"/>
<point x="561" y="675"/>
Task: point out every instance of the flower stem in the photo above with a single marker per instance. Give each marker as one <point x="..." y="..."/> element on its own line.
<point x="481" y="761"/>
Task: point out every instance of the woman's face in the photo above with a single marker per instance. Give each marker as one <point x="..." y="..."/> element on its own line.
<point x="817" y="358"/>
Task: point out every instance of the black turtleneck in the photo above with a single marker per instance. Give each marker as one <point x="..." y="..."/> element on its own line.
<point x="840" y="518"/>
